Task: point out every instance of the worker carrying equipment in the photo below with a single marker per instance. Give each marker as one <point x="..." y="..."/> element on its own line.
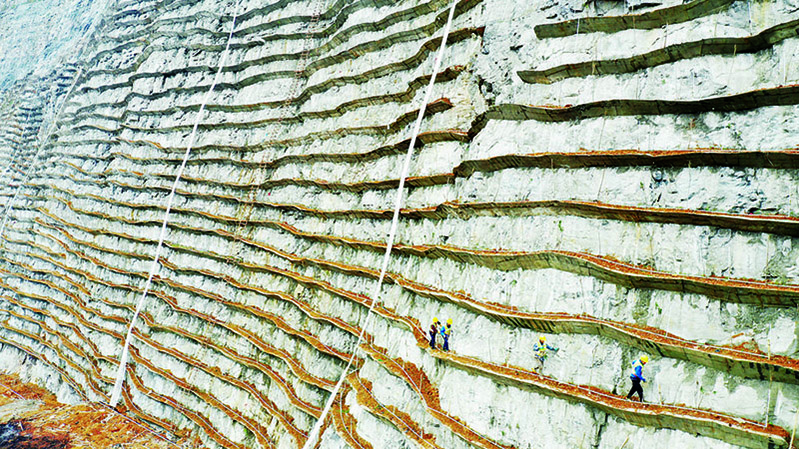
<point x="446" y="333"/>
<point x="637" y="377"/>
<point x="540" y="350"/>
<point x="434" y="329"/>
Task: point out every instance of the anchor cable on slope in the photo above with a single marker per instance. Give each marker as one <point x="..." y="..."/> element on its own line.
<point x="392" y="233"/>
<point x="120" y="377"/>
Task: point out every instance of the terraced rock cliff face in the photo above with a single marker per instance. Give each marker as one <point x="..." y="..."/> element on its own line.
<point x="618" y="177"/>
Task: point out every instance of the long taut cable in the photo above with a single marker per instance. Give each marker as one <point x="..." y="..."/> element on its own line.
<point x="123" y="361"/>
<point x="309" y="443"/>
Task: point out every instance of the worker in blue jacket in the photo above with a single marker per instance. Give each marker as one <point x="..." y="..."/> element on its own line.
<point x="540" y="350"/>
<point x="637" y="377"/>
<point x="446" y="333"/>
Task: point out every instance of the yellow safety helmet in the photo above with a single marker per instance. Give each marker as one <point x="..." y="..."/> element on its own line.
<point x="542" y="339"/>
<point x="644" y="359"/>
<point x="449" y="321"/>
<point x="435" y="320"/>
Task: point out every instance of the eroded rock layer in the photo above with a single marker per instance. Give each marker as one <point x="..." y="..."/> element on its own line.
<point x="620" y="178"/>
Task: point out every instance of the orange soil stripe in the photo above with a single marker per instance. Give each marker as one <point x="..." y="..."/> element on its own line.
<point x="295" y="366"/>
<point x="346" y="424"/>
<point x="399" y="419"/>
<point x="314" y="411"/>
<point x="778" y="361"/>
<point x="496" y="310"/>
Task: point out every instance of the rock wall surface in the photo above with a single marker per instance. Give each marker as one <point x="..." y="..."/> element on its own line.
<point x="619" y="177"/>
<point x="39" y="35"/>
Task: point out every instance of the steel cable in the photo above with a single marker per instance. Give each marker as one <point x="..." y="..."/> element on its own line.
<point x="120" y="377"/>
<point x="392" y="233"/>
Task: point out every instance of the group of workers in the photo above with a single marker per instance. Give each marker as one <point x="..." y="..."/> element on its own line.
<point x="541" y="352"/>
<point x="444" y="331"/>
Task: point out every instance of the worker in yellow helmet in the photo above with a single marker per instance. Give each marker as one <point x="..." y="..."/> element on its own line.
<point x="540" y="350"/>
<point x="434" y="329"/>
<point x="446" y="332"/>
<point x="637" y="377"/>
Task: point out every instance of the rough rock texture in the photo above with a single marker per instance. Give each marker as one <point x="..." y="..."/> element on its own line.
<point x="619" y="177"/>
<point x="39" y="35"/>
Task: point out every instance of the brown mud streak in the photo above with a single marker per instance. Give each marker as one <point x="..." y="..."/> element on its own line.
<point x="129" y="404"/>
<point x="418" y="381"/>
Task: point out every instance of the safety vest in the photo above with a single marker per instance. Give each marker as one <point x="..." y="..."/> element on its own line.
<point x="540" y="350"/>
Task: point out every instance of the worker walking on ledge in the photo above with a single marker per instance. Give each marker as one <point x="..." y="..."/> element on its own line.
<point x="446" y="332"/>
<point x="540" y="350"/>
<point x="434" y="330"/>
<point x="637" y="377"/>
